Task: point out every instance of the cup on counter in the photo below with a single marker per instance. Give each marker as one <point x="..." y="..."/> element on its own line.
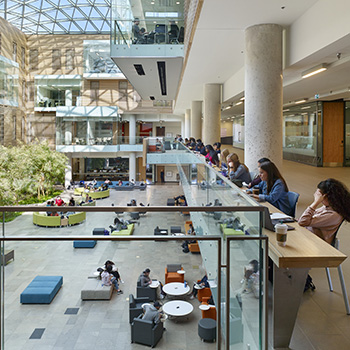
<point x="281" y="234"/>
<point x="256" y="191"/>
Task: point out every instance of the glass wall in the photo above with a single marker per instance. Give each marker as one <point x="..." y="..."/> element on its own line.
<point x="8" y="82"/>
<point x="57" y="91"/>
<point x="301" y="124"/>
<point x="97" y="58"/>
<point x="147" y="22"/>
<point x="87" y="130"/>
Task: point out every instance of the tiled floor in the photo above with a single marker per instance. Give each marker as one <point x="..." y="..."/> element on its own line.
<point x="98" y="324"/>
<point x="321" y="324"/>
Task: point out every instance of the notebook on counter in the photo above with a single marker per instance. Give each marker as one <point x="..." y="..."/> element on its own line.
<point x="270" y="224"/>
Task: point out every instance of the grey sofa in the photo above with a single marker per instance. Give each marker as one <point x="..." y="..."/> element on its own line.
<point x="148" y="292"/>
<point x="146" y="332"/>
<point x="135" y="306"/>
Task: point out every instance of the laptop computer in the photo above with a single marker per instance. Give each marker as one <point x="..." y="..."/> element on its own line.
<point x="270" y="224"/>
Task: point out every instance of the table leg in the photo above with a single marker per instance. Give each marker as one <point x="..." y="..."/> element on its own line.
<point x="288" y="288"/>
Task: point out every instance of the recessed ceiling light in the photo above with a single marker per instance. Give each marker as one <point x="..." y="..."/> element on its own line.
<point x="305" y="107"/>
<point x="242" y="98"/>
<point x="315" y="70"/>
<point x="238" y="103"/>
<point x="300" y="101"/>
<point x="177" y="2"/>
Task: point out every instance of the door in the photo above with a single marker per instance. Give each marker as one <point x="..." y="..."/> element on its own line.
<point x="160" y="131"/>
<point x="160" y="170"/>
<point x="333" y="133"/>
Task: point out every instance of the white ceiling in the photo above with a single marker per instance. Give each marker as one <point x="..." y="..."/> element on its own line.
<point x="217" y="52"/>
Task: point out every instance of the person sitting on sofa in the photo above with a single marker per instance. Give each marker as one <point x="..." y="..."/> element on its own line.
<point x="152" y="313"/>
<point x="108" y="279"/>
<point x="203" y="283"/>
<point x="120" y="183"/>
<point x="115" y="271"/>
<point x="145" y="281"/>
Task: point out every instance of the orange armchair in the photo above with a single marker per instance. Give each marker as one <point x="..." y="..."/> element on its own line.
<point x="194" y="248"/>
<point x="211" y="312"/>
<point x="171" y="274"/>
<point x="203" y="293"/>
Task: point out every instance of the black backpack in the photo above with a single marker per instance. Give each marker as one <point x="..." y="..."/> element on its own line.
<point x="309" y="284"/>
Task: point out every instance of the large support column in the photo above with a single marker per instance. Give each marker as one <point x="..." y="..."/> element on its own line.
<point x="132" y="166"/>
<point x="187" y="123"/>
<point x="68" y="133"/>
<point x="69" y="98"/>
<point x="132" y="129"/>
<point x="196" y="119"/>
<point x="81" y="168"/>
<point x="68" y="171"/>
<point x="183" y="128"/>
<point x="263" y="94"/>
<point x="212" y="113"/>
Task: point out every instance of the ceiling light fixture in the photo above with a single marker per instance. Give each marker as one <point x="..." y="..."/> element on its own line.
<point x="242" y="98"/>
<point x="305" y="107"/>
<point x="300" y="101"/>
<point x="315" y="70"/>
<point x="238" y="103"/>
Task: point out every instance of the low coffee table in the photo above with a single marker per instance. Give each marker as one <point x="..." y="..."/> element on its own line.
<point x="177" y="308"/>
<point x="176" y="289"/>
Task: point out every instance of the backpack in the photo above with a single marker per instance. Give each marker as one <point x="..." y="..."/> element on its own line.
<point x="309" y="284"/>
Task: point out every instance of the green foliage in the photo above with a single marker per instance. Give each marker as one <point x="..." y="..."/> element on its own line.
<point x="29" y="171"/>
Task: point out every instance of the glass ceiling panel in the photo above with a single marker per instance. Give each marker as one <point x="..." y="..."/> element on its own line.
<point x="56" y="17"/>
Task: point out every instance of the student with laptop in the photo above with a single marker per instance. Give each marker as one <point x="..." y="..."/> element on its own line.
<point x="272" y="188"/>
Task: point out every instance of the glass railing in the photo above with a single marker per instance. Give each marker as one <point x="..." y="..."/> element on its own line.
<point x="147" y="24"/>
<point x="73" y="242"/>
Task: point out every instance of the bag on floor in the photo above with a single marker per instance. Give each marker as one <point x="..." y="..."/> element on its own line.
<point x="309" y="284"/>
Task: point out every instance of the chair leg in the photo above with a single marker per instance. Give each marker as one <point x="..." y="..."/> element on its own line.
<point x="343" y="288"/>
<point x="329" y="279"/>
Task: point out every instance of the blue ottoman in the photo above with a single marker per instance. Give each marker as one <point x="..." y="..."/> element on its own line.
<point x="84" y="244"/>
<point x="41" y="290"/>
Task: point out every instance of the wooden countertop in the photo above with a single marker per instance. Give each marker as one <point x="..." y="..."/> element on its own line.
<point x="303" y="248"/>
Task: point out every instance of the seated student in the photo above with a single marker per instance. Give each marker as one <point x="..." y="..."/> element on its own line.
<point x="185" y="244"/>
<point x="59" y="201"/>
<point x="49" y="204"/>
<point x="257" y="178"/>
<point x="145" y="280"/>
<point x="120" y="183"/>
<point x="151" y="312"/>
<point x="324" y="221"/>
<point x="132" y="182"/>
<point x="115" y="271"/>
<point x="217" y="147"/>
<point x="108" y="279"/>
<point x="203" y="283"/>
<point x="237" y="170"/>
<point x="211" y="155"/>
<point x="223" y="155"/>
<point x="180" y="200"/>
<point x="272" y="188"/>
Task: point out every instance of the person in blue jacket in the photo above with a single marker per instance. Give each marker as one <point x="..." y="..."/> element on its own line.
<point x="273" y="188"/>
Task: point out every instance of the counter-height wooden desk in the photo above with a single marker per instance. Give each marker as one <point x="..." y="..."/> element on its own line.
<point x="303" y="251"/>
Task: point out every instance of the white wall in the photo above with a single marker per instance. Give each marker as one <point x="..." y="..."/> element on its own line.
<point x="170" y="169"/>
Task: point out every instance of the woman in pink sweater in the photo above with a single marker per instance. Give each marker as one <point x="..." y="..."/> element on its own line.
<point x="324" y="221"/>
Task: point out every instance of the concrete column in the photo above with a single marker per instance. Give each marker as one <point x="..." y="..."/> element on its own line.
<point x="132" y="166"/>
<point x="69" y="98"/>
<point x="81" y="168"/>
<point x="212" y="113"/>
<point x="263" y="94"/>
<point x="68" y="133"/>
<point x="132" y="129"/>
<point x="187" y="123"/>
<point x="90" y="132"/>
<point x="196" y="119"/>
<point x="183" y="128"/>
<point x="68" y="171"/>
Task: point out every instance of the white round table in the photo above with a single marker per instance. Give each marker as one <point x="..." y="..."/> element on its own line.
<point x="181" y="272"/>
<point x="154" y="284"/>
<point x="177" y="308"/>
<point x="176" y="289"/>
<point x="204" y="307"/>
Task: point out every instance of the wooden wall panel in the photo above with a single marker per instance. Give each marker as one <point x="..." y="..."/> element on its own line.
<point x="333" y="133"/>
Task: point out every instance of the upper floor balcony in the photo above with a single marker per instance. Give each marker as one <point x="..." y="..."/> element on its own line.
<point x="147" y="45"/>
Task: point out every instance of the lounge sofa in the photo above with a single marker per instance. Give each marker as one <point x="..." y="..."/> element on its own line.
<point x="41" y="290"/>
<point x="93" y="290"/>
<point x="229" y="231"/>
<point x="126" y="186"/>
<point x="126" y="232"/>
<point x="97" y="195"/>
<point x="41" y="219"/>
